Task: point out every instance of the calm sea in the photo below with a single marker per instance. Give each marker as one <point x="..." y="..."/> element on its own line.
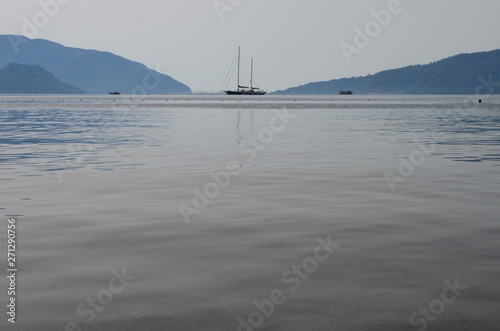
<point x="253" y="213"/>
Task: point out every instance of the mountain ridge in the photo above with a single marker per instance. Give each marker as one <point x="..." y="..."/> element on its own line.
<point x="97" y="72"/>
<point x="465" y="73"/>
<point x="18" y="78"/>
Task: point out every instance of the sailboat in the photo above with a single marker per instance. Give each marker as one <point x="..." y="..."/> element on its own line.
<point x="245" y="90"/>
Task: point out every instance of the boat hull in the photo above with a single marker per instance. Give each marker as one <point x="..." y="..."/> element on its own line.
<point x="348" y="92"/>
<point x="245" y="92"/>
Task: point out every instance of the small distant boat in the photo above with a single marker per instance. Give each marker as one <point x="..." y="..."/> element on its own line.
<point x="348" y="92"/>
<point x="114" y="93"/>
<point x="245" y="90"/>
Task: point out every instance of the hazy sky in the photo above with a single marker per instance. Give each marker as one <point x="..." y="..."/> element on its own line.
<point x="293" y="41"/>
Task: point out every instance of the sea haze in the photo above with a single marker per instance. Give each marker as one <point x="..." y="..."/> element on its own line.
<point x="210" y="204"/>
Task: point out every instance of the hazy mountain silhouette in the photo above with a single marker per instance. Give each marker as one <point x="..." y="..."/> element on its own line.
<point x="460" y="74"/>
<point x="93" y="71"/>
<point x="32" y="79"/>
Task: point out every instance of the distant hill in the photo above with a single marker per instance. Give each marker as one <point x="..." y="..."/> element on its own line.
<point x="93" y="71"/>
<point x="459" y="74"/>
<point x="32" y="79"/>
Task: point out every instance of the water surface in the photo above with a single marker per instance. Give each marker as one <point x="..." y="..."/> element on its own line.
<point x="407" y="187"/>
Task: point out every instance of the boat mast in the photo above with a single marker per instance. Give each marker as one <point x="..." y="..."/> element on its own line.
<point x="251" y="76"/>
<point x="239" y="50"/>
